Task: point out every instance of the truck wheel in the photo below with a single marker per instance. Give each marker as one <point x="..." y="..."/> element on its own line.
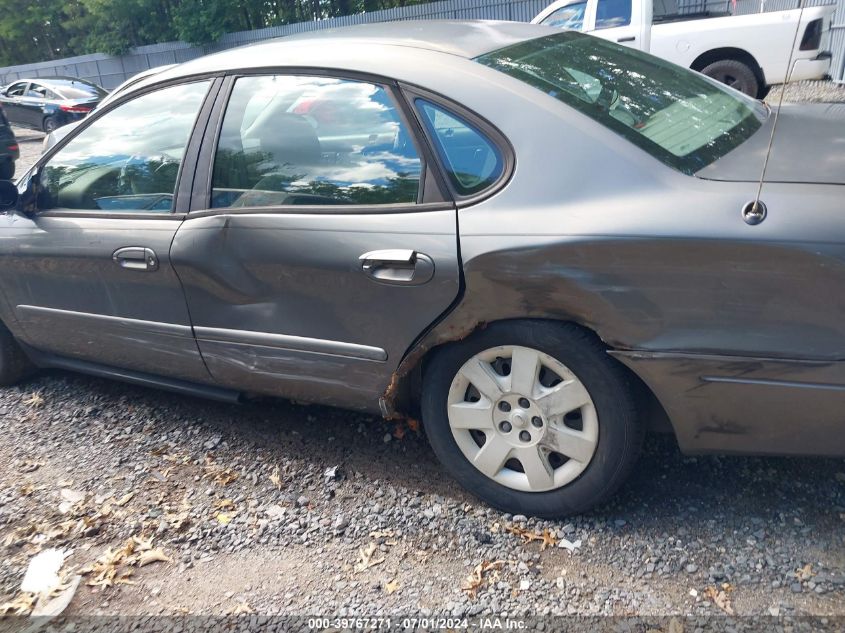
<point x="735" y="74"/>
<point x="533" y="417"/>
<point x="14" y="364"/>
<point x="7" y="170"/>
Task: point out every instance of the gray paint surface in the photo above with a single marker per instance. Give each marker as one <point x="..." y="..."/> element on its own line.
<point x="735" y="328"/>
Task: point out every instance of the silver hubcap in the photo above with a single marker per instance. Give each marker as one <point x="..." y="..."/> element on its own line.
<point x="522" y="418"/>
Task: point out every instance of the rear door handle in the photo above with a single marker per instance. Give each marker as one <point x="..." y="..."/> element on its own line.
<point x="398" y="266"/>
<point x="136" y="258"/>
<point x="630" y="38"/>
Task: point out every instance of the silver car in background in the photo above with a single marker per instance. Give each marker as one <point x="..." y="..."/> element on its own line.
<point x="59" y="133"/>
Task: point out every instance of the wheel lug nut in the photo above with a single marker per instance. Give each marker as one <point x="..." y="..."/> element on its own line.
<point x="523" y="402"/>
<point x="504" y="406"/>
<point x="525" y="436"/>
<point x="506" y="427"/>
<point x="537" y="421"/>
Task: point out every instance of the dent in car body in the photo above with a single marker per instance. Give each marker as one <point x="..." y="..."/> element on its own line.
<point x="283" y="306"/>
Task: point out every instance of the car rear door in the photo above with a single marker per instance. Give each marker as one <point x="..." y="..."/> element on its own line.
<point x="88" y="274"/>
<point x="320" y="243"/>
<point x="32" y="104"/>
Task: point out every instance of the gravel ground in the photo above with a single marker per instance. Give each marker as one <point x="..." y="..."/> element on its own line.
<point x="276" y="508"/>
<point x="301" y="510"/>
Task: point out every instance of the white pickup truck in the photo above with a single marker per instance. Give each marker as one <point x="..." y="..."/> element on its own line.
<point x="748" y="52"/>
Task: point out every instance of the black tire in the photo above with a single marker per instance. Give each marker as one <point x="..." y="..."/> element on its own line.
<point x="14" y="364"/>
<point x="50" y="124"/>
<point x="607" y="382"/>
<point x="734" y="73"/>
<point x="7" y="170"/>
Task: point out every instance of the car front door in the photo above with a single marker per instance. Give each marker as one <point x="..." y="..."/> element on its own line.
<point x="320" y="245"/>
<point x="12" y="102"/>
<point x="88" y="274"/>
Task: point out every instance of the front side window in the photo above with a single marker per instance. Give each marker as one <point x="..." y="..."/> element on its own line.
<point x="472" y="161"/>
<point x="679" y="116"/>
<point x="128" y="159"/>
<point x="17" y="90"/>
<point x="297" y="140"/>
<point x="613" y="13"/>
<point x="570" y="16"/>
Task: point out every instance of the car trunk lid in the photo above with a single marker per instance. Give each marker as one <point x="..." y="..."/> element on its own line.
<point x="809" y="147"/>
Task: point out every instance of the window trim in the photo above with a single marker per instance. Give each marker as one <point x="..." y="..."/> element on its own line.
<point x="184" y="177"/>
<point x="499" y="140"/>
<point x="432" y="196"/>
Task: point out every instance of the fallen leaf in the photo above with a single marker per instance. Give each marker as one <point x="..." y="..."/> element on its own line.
<point x="223" y="518"/>
<point x="805" y="573"/>
<point x="366" y="557"/>
<point x="125" y="499"/>
<point x="546" y="538"/>
<point x="21" y="605"/>
<point x="152" y="556"/>
<point x="476" y="579"/>
<point x="242" y="608"/>
<point x="720" y="599"/>
<point x="35" y="400"/>
<point x="392" y="586"/>
<point x="276" y="478"/>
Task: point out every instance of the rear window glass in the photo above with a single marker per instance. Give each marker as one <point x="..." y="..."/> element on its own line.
<point x="472" y="161"/>
<point x="679" y="116"/>
<point x="75" y="89"/>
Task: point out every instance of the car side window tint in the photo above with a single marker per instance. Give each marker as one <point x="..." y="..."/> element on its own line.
<point x="570" y="16"/>
<point x="128" y="159"/>
<point x="36" y="91"/>
<point x="472" y="160"/>
<point x="17" y="90"/>
<point x="613" y="13"/>
<point x="298" y="140"/>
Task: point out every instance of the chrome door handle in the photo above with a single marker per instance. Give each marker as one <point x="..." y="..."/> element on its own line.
<point x="136" y="258"/>
<point x="398" y="266"/>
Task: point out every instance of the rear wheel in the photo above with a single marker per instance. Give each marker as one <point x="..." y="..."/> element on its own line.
<point x="50" y="124"/>
<point x="14" y="364"/>
<point x="735" y="74"/>
<point x="7" y="169"/>
<point x="532" y="416"/>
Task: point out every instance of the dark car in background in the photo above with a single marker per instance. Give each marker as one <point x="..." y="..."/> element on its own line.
<point x="48" y="103"/>
<point x="9" y="151"/>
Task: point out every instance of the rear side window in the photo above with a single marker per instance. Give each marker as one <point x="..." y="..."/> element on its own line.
<point x="472" y="161"/>
<point x="570" y="16"/>
<point x="613" y="13"/>
<point x="298" y="140"/>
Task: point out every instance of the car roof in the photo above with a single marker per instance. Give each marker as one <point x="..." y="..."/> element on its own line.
<point x="465" y="39"/>
<point x="54" y="79"/>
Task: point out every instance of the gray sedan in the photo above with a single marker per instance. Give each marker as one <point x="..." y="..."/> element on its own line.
<point x="542" y="242"/>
